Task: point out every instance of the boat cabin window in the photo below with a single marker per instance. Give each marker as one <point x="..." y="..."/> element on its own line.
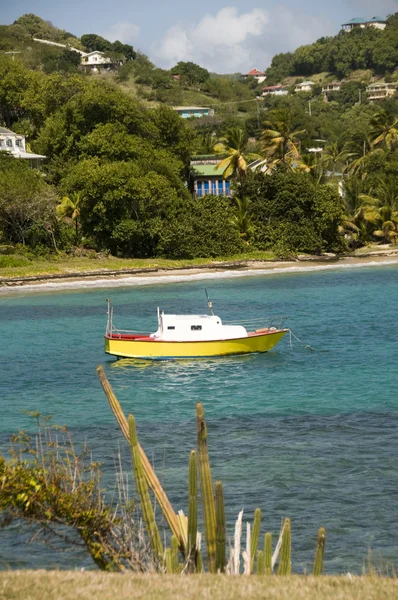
<point x="171" y="327"/>
<point x="196" y="327"/>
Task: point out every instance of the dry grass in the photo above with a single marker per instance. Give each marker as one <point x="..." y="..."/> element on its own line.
<point x="69" y="585"/>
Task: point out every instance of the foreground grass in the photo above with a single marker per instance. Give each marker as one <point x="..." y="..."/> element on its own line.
<point x="69" y="585"/>
<point x="19" y="266"/>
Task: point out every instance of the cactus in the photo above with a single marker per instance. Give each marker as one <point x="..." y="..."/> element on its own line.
<point x="174" y="554"/>
<point x="169" y="560"/>
<point x="260" y="563"/>
<point x="150" y="474"/>
<point x="268" y="554"/>
<point x="255" y="536"/>
<point x="318" y="562"/>
<point x="220" y="529"/>
<point x="285" y="566"/>
<point x="192" y="511"/>
<point x="206" y="488"/>
<point x="142" y="488"/>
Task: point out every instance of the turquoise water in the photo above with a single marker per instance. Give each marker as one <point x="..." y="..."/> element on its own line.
<point x="311" y="435"/>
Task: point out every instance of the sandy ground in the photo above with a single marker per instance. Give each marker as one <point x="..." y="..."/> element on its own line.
<point x="107" y="278"/>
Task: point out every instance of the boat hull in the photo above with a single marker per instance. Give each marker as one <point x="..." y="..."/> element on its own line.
<point x="161" y="350"/>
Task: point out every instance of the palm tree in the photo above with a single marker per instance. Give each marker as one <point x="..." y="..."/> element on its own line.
<point x="335" y="157"/>
<point x="69" y="208"/>
<point x="384" y="130"/>
<point x="235" y="146"/>
<point x="384" y="204"/>
<point x="242" y="218"/>
<point x="280" y="142"/>
<point x="207" y="142"/>
<point x="359" y="218"/>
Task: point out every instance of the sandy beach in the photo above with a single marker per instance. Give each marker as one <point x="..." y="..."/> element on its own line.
<point x="140" y="276"/>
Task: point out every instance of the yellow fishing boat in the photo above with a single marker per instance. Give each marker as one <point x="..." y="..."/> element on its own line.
<point x="190" y="336"/>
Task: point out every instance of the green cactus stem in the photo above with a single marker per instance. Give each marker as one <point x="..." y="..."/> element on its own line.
<point x="255" y="536"/>
<point x="142" y="488"/>
<point x="192" y="511"/>
<point x="150" y="474"/>
<point x="320" y="550"/>
<point x="220" y="529"/>
<point x="174" y="554"/>
<point x="169" y="560"/>
<point x="285" y="566"/>
<point x="260" y="563"/>
<point x="268" y="553"/>
<point x="206" y="488"/>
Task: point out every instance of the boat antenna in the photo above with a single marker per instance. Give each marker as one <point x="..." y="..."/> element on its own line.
<point x="209" y="303"/>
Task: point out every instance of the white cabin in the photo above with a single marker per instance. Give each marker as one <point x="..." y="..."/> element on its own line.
<point x="195" y="328"/>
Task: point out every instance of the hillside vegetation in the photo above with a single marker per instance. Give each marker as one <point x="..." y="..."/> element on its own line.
<point x="342" y="54"/>
<point x="118" y="177"/>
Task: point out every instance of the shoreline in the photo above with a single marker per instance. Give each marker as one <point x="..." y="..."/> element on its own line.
<point x="139" y="276"/>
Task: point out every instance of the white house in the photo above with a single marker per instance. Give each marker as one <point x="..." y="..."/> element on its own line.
<point x="186" y="112"/>
<point x="333" y="86"/>
<point x="381" y="91"/>
<point x="259" y="75"/>
<point x="304" y="86"/>
<point x="360" y="23"/>
<point x="95" y="61"/>
<point x="15" y="144"/>
<point x="275" y="90"/>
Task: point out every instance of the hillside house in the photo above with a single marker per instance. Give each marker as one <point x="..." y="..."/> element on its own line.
<point x="275" y="90"/>
<point x="97" y="61"/>
<point x="360" y="23"/>
<point x="15" y="144"/>
<point x="381" y="91"/>
<point x="304" y="86"/>
<point x="186" y="112"/>
<point x="259" y="75"/>
<point x="333" y="86"/>
<point x="208" y="178"/>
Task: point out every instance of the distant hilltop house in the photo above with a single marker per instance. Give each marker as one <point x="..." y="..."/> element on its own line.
<point x="90" y="61"/>
<point x="186" y="112"/>
<point x="360" y="23"/>
<point x="381" y="91"/>
<point x="304" y="86"/>
<point x="15" y="144"/>
<point x="275" y="90"/>
<point x="96" y="61"/>
<point x="259" y="75"/>
<point x="333" y="86"/>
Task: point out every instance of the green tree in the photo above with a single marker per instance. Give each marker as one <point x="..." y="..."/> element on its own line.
<point x="384" y="130"/>
<point x="26" y="201"/>
<point x="235" y="146"/>
<point x="281" y="142"/>
<point x="92" y="42"/>
<point x="291" y="214"/>
<point x="201" y="228"/>
<point x="69" y="208"/>
<point x="190" y="72"/>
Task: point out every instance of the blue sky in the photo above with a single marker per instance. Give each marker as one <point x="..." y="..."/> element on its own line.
<point x="221" y="35"/>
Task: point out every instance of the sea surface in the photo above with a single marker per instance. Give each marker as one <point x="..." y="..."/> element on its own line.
<point x="310" y="434"/>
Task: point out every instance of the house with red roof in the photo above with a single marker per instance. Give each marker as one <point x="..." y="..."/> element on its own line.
<point x="259" y="75"/>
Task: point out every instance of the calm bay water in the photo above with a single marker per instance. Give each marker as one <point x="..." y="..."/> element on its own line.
<point x="311" y="435"/>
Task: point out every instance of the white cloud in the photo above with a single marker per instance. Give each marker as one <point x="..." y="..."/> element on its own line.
<point x="218" y="42"/>
<point x="229" y="42"/>
<point x="122" y="31"/>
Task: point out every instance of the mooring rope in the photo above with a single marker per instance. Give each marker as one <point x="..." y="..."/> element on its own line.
<point x="310" y="348"/>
